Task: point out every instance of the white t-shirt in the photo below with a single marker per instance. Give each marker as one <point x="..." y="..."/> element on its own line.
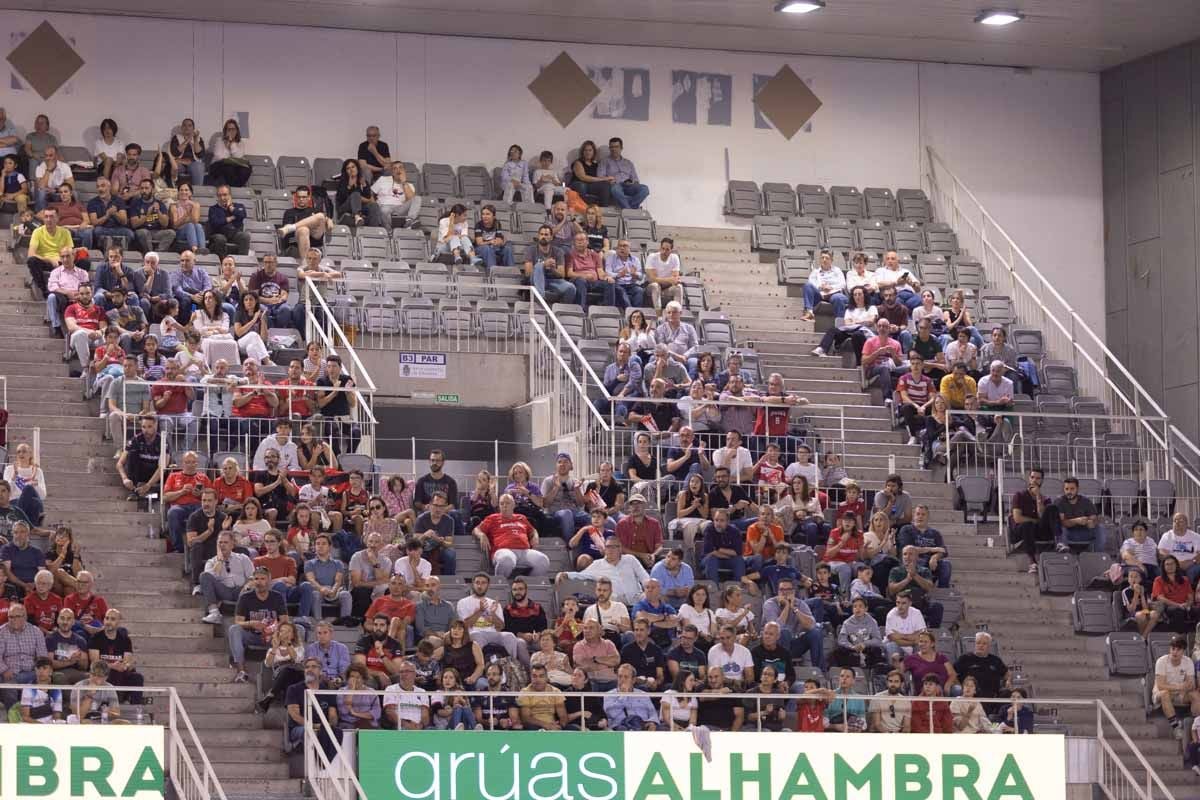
<point x="732" y="664"/>
<point x="885" y="704"/>
<point x="1146" y="552"/>
<point x="61" y="174"/>
<point x="408" y="703"/>
<point x="913" y="623"/>
<point x="661" y="270"/>
<point x="705" y="621"/>
<point x="470" y="604"/>
<point x="1175" y="675"/>
<point x="726" y="617"/>
<point x="1183" y="546"/>
<point x="388" y="192"/>
<point x="810" y="471"/>
<point x="681" y="710"/>
<point x="404" y="567"/>
<point x="111" y="150"/>
<point x="609" y="617"/>
<point x="735" y="464"/>
<point x="858" y="317"/>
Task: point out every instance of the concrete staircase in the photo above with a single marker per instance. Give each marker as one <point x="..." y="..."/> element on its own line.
<point x="134" y="574"/>
<point x="1033" y="630"/>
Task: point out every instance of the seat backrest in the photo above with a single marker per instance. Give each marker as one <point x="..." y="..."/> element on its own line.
<point x="769" y="233"/>
<point x="1058" y="573"/>
<point x="1125" y="653"/>
<point x="778" y="198"/>
<point x="743" y="199"/>
<point x="813" y="201"/>
<point x="1092" y="611"/>
<point x="847" y="202"/>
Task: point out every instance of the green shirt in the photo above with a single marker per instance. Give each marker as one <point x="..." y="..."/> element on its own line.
<point x="918" y="594"/>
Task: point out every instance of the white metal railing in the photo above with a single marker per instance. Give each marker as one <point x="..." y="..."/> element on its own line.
<point x="186" y="764"/>
<point x="1119" y="777"/>
<point x="1039" y="304"/>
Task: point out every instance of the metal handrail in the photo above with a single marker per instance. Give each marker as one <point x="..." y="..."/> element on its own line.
<point x="1076" y="320"/>
<point x="536" y="299"/>
<point x="315" y="760"/>
<point x="312" y="293"/>
<point x="1151" y="773"/>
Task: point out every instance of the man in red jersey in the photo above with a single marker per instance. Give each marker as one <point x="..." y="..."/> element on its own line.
<point x="509" y="541"/>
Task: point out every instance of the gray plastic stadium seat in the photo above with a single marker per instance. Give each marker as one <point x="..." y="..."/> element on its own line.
<point x="1125" y="654"/>
<point x="275" y="203"/>
<point x="637" y="224"/>
<point x="935" y="272"/>
<point x="263" y="239"/>
<point x="456" y="317"/>
<point x="262" y="173"/>
<point x="1091" y="611"/>
<point x="1091" y="566"/>
<point x="914" y="205"/>
<point x="495" y="319"/>
<point x="794" y="267"/>
<point x="418" y="316"/>
<point x="946" y="643"/>
<point x="440" y="183"/>
<point x="570" y="316"/>
<point x="1159" y="645"/>
<point x="1028" y="342"/>
<point x="1058" y="573"/>
<point x="778" y="198"/>
<point x="768" y="233"/>
<point x="1059" y="378"/>
<point x="805" y="234"/>
<point x="998" y="309"/>
<point x="969" y="274"/>
<point x="908" y="238"/>
<point x="380" y="315"/>
<point x="694" y="295"/>
<point x="839" y="237"/>
<point x="940" y="239"/>
<point x="847" y="202"/>
<point x="605" y="322"/>
<point x="976" y="491"/>
<point x="410" y="246"/>
<point x="476" y="183"/>
<point x="743" y="199"/>
<point x="434" y="281"/>
<point x="874" y="237"/>
<point x="1160" y="498"/>
<point x="953" y="605"/>
<point x="326" y="171"/>
<point x="374" y="244"/>
<point x="294" y="171"/>
<point x="881" y="204"/>
<point x="531" y="216"/>
<point x="813" y="201"/>
<point x="415" y="177"/>
<point x="715" y="328"/>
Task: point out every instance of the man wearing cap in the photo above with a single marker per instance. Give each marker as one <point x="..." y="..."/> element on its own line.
<point x="624" y="571"/>
<point x="257" y="615"/>
<point x="563" y="498"/>
<point x="640" y="536"/>
<point x="827" y="284"/>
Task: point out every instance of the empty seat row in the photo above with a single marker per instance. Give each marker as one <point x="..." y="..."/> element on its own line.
<point x="745" y="199"/>
<point x="845" y="236"/>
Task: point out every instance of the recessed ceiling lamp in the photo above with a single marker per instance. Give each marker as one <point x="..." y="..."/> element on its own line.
<point x="799" y="6"/>
<point x="998" y="17"/>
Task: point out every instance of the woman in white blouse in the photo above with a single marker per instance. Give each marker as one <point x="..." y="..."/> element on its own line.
<point x="228" y="165"/>
<point x="212" y="323"/>
<point x="856" y="326"/>
<point x="108" y="150"/>
<point x="250" y="328"/>
<point x="28" y="483"/>
<point x="859" y="275"/>
<point x="696" y="612"/>
<point x="639" y="335"/>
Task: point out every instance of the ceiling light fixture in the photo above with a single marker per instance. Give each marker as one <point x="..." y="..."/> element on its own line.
<point x="998" y="17"/>
<point x="799" y="6"/>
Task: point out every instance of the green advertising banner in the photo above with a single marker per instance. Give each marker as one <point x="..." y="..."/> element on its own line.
<point x="81" y="762"/>
<point x="527" y="765"/>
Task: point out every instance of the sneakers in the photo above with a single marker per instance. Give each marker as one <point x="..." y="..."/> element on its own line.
<point x="1033" y="568"/>
<point x="808" y="316"/>
<point x="213" y="617"/>
<point x="1196" y="768"/>
<point x="460" y="727"/>
<point x="479" y="727"/>
<point x="1061" y="548"/>
<point x="241" y="676"/>
<point x="817" y="351"/>
<point x="287" y="230"/>
<point x="1177" y="730"/>
<point x="195" y="591"/>
<point x="912" y="440"/>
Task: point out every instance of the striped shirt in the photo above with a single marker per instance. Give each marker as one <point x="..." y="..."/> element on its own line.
<point x="919" y="389"/>
<point x="18" y="650"/>
<point x="1146" y="552"/>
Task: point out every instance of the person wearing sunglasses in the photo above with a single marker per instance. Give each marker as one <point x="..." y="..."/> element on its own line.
<point x="891" y="711"/>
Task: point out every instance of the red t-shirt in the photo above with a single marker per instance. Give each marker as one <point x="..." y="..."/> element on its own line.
<point x="280" y="566"/>
<point x="771" y="474"/>
<point x="257" y="407"/>
<point x="858" y="508"/>
<point x="847" y="551"/>
<point x="179" y="480"/>
<point x="301" y="402"/>
<point x="507" y="534"/>
<point x="393" y="607"/>
<point x="810" y="716"/>
<point x="93" y="605"/>
<point x="239" y="491"/>
<point x="177" y="403"/>
<point x="772" y="421"/>
<point x="919" y="389"/>
<point x="43" y="613"/>
<point x="91" y="318"/>
<point x="1177" y="592"/>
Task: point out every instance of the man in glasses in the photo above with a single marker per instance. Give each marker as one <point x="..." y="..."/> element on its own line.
<point x="370" y="571"/>
<point x="332" y="655"/>
<point x="225" y="575"/>
<point x="303" y="225"/>
<point x="435" y="530"/>
<point x="890" y="710"/>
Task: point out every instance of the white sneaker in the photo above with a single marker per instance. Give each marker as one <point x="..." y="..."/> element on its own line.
<point x="912" y="440"/>
<point x="817" y="351"/>
<point x="1196" y="768"/>
<point x="195" y="591"/>
<point x="287" y="229"/>
<point x="213" y="617"/>
<point x="460" y="727"/>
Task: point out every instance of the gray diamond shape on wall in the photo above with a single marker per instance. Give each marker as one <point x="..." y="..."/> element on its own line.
<point x="45" y="60"/>
<point x="564" y="89"/>
<point x="787" y="102"/>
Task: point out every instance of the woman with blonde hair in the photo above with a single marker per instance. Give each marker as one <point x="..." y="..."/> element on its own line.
<point x="285" y="659"/>
<point x="28" y="483"/>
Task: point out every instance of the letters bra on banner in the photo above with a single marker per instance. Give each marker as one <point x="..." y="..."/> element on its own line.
<point x="81" y="762"/>
<point x="519" y="765"/>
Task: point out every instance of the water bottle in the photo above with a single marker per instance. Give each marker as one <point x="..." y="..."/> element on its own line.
<point x="104" y="713"/>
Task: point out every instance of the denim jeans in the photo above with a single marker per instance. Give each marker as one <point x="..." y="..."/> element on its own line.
<point x="301" y="593"/>
<point x="239" y="637"/>
<point x="630" y="196"/>
<point x="191" y="234"/>
<point x="570" y="521"/>
<point x="909" y="298"/>
<point x="99" y="234"/>
<point x="493" y="256"/>
<point x="629" y="295"/>
<point x="564" y="289"/>
<point x="711" y="566"/>
<point x="583" y="286"/>
<point x="812" y="296"/>
<point x="811" y="642"/>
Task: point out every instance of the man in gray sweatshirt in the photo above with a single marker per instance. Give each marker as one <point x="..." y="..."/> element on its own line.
<point x="859" y="642"/>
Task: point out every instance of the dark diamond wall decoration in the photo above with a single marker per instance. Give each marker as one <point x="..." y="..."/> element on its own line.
<point x="45" y="60"/>
<point x="564" y="89"/>
<point x="787" y="102"/>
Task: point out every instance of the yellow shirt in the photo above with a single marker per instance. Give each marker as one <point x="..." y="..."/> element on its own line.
<point x="955" y="394"/>
<point x="45" y="246"/>
<point x="542" y="705"/>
